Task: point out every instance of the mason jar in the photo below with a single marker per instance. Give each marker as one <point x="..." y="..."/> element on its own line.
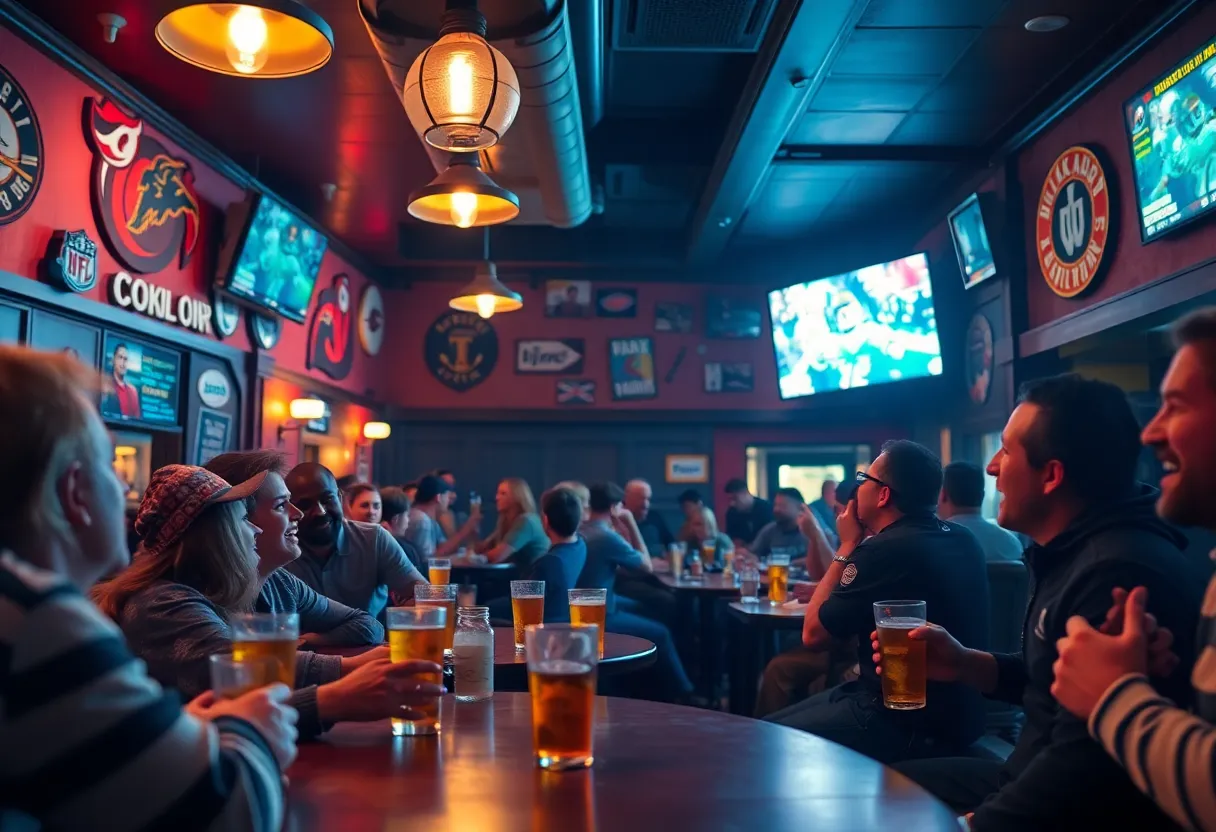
<point x="473" y="655"/>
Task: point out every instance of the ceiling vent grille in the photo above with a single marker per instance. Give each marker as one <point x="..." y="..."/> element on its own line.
<point x="700" y="25"/>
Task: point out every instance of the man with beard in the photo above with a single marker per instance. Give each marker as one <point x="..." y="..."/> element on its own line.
<point x="1067" y="470"/>
<point x="357" y="564"/>
<point x="782" y="535"/>
<point x="1102" y="676"/>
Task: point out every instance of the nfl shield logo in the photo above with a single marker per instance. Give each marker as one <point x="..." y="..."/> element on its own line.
<point x="72" y="261"/>
<point x="575" y="391"/>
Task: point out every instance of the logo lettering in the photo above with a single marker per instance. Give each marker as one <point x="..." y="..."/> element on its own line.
<point x="1072" y="221"/>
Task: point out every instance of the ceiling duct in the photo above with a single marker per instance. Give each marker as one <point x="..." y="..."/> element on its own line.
<point x="701" y="25"/>
<point x="543" y="157"/>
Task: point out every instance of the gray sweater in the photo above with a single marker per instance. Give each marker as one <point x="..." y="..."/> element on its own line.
<point x="175" y="629"/>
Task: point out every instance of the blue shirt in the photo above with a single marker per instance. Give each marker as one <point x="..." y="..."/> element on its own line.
<point x="559" y="569"/>
<point x="606" y="550"/>
<point x="365" y="565"/>
<point x="424" y="533"/>
<point x="996" y="543"/>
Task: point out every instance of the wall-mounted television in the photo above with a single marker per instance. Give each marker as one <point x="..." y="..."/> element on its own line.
<point x="274" y="257"/>
<point x="870" y="326"/>
<point x="971" y="243"/>
<point x="1171" y="126"/>
<point x="143" y="382"/>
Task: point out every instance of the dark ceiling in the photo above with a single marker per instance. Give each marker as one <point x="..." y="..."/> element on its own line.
<point x="714" y="127"/>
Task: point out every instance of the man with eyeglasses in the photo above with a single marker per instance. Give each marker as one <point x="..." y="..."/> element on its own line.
<point x="894" y="547"/>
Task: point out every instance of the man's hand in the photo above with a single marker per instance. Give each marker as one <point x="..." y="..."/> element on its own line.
<point x="379" y="689"/>
<point x="807" y="524"/>
<point x="1161" y="658"/>
<point x="352" y="663"/>
<point x="1090" y="662"/>
<point x="849" y="528"/>
<point x="944" y="656"/>
<point x="266" y="709"/>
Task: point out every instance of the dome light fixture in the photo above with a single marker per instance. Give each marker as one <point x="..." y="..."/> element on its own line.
<point x="257" y="39"/>
<point x="463" y="196"/>
<point x="461" y="94"/>
<point x="306" y="410"/>
<point x="486" y="294"/>
<point x="377" y="430"/>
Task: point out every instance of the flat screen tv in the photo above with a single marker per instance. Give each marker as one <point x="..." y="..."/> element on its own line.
<point x="1171" y="126"/>
<point x="143" y="382"/>
<point x="275" y="260"/>
<point x="971" y="243"/>
<point x="870" y="326"/>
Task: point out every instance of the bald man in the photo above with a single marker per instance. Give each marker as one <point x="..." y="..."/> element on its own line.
<point x="654" y="529"/>
<point x="357" y="564"/>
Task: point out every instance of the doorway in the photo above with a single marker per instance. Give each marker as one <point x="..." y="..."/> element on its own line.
<point x="805" y="468"/>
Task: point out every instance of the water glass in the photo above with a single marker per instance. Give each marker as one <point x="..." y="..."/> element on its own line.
<point x="749" y="585"/>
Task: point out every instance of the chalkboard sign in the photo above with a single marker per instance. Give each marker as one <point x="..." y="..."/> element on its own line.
<point x="213" y="432"/>
<point x="143" y="382"/>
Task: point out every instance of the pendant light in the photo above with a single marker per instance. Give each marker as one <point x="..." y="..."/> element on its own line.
<point x="485" y="294"/>
<point x="464" y="196"/>
<point x="461" y="94"/>
<point x="257" y="39"/>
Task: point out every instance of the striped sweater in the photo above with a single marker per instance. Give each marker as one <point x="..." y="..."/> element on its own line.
<point x="88" y="741"/>
<point x="1170" y="753"/>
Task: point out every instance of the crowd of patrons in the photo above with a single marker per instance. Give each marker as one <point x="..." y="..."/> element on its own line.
<point x="1116" y="675"/>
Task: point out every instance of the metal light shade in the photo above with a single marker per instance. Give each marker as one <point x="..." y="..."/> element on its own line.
<point x="485" y="295"/>
<point x="461" y="94"/>
<point x="377" y="430"/>
<point x="258" y="39"/>
<point x="463" y="196"/>
<point x="305" y="410"/>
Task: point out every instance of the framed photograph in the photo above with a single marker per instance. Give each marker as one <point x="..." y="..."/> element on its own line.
<point x="631" y="368"/>
<point x="567" y="299"/>
<point x="575" y="392"/>
<point x="723" y="377"/>
<point x="672" y="317"/>
<point x="552" y="357"/>
<point x="732" y="318"/>
<point x="616" y="303"/>
<point x="687" y="468"/>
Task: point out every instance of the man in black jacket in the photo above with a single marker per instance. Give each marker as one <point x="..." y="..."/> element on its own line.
<point x="1066" y="468"/>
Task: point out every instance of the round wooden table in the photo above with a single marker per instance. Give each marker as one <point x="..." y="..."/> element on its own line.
<point x="704" y="592"/>
<point x="752" y="641"/>
<point x="656" y="766"/>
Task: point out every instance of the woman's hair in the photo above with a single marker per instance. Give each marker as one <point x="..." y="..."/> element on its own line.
<point x="211" y="558"/>
<point x="711" y="523"/>
<point x="581" y="491"/>
<point x="522" y="502"/>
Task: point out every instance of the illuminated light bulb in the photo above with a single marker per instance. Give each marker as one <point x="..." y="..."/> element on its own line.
<point x="485" y="305"/>
<point x="247" y="35"/>
<point x="464" y="209"/>
<point x="460" y="84"/>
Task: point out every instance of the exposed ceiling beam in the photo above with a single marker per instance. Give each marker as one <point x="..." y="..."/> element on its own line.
<point x="802" y="40"/>
<point x="588" y="245"/>
<point x="809" y="154"/>
<point x="644" y="141"/>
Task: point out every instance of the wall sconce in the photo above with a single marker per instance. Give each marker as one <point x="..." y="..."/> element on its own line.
<point x="377" y="430"/>
<point x="301" y="411"/>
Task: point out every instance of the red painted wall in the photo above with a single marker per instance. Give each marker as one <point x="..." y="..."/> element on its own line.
<point x="57" y="98"/>
<point x="1099" y="121"/>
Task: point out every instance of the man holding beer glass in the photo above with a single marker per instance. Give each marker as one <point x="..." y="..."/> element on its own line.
<point x="893" y="546"/>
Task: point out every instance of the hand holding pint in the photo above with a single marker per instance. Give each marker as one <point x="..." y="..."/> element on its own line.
<point x="903" y="659"/>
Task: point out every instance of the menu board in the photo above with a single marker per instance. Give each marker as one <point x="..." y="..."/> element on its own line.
<point x="142" y="382"/>
<point x="212" y="439"/>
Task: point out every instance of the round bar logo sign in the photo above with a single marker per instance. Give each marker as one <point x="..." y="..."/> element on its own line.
<point x="1073" y="223"/>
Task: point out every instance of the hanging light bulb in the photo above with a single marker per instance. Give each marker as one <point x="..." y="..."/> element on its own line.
<point x="464" y="209"/>
<point x="486" y="304"/>
<point x="463" y="196"/>
<point x="486" y="294"/>
<point x="247" y="50"/>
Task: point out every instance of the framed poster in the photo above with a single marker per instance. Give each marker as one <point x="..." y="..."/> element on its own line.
<point x="214" y="430"/>
<point x="732" y="318"/>
<point x="724" y="377"/>
<point x="552" y="357"/>
<point x="567" y="299"/>
<point x="977" y="360"/>
<point x="616" y="303"/>
<point x="575" y="392"/>
<point x="687" y="468"/>
<point x="631" y="368"/>
<point x="672" y="317"/>
<point x="144" y="382"/>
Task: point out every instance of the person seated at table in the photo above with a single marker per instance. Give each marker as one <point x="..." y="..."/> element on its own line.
<point x="519" y="535"/>
<point x="201" y="561"/>
<point x="651" y="524"/>
<point x="88" y="740"/>
<point x="363" y="503"/>
<point x="395" y="519"/>
<point x="747" y="515"/>
<point x="826" y="508"/>
<point x="424" y="531"/>
<point x="690" y="506"/>
<point x="353" y="563"/>
<point x="782" y="535"/>
<point x="561" y="513"/>
<point x="606" y="551"/>
<point x="640" y="591"/>
<point x="893" y="546"/>
<point x="961" y="501"/>
<point x="702" y="530"/>
<point x="445" y="516"/>
<point x="582" y="492"/>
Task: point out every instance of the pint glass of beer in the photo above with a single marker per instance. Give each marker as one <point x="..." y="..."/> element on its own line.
<point x="903" y="660"/>
<point x="439" y="570"/>
<point x="590" y="606"/>
<point x="231" y="679"/>
<point x="527" y="607"/>
<point x="778" y="578"/>
<point x="267" y="635"/>
<point x="561" y="679"/>
<point x="417" y="633"/>
<point x="440" y="595"/>
<point x="709" y="552"/>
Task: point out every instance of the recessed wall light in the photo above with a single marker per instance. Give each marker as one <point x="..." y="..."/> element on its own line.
<point x="1047" y="23"/>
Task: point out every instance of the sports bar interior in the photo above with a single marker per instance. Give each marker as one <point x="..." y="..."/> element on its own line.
<point x="687" y="266"/>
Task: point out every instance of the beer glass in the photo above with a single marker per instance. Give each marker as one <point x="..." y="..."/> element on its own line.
<point x="527" y="607"/>
<point x="231" y="678"/>
<point x="778" y="578"/>
<point x="590" y="606"/>
<point x="561" y="679"/>
<point x="676" y="552"/>
<point x="709" y="552"/>
<point x="439" y="570"/>
<point x="903" y="660"/>
<point x="440" y="595"/>
<point x="267" y="635"/>
<point x="749" y="585"/>
<point x="418" y="634"/>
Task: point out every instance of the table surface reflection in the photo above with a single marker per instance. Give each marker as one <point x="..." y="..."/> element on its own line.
<point x="656" y="766"/>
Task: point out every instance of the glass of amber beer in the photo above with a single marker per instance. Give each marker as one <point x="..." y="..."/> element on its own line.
<point x="231" y="679"/>
<point x="527" y="607"/>
<point x="418" y="634"/>
<point x="561" y="679"/>
<point x="778" y="578"/>
<point x="440" y="595"/>
<point x="260" y="636"/>
<point x="590" y="606"/>
<point x="903" y="660"/>
<point x="439" y="570"/>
